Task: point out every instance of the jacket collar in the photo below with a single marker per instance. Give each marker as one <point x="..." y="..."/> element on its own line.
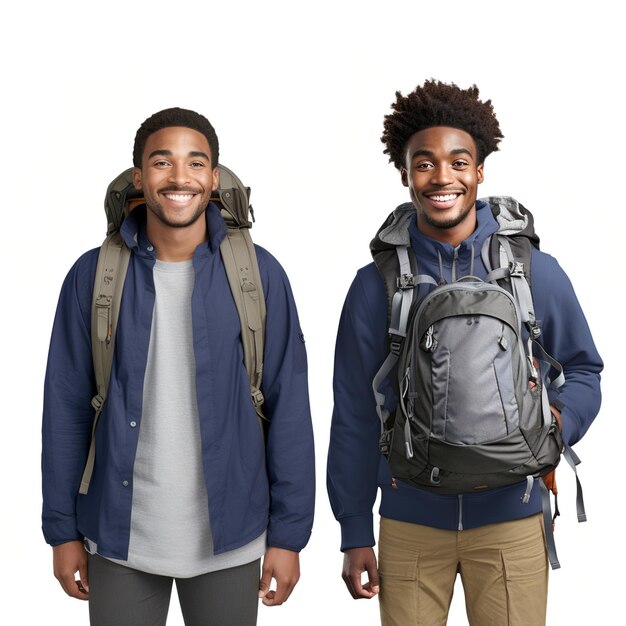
<point x="133" y="229"/>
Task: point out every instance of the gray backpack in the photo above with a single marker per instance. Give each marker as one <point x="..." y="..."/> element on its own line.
<point x="473" y="410"/>
<point x="242" y="270"/>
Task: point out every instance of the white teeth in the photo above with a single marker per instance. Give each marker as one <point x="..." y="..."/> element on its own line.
<point x="179" y="197"/>
<point x="446" y="198"/>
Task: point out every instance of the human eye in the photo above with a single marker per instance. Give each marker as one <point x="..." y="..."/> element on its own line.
<point x="423" y="165"/>
<point x="160" y="163"/>
<point x="460" y="164"/>
<point x="197" y="164"/>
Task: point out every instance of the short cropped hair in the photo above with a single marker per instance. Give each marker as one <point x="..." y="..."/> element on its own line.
<point x="175" y="117"/>
<point x="439" y="104"/>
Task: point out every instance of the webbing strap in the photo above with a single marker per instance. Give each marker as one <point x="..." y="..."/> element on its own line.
<point x="521" y="288"/>
<point x="403" y="298"/>
<point x="243" y="275"/>
<point x="400" y="309"/>
<point x="497" y="274"/>
<point x="383" y="372"/>
<point x="560" y="379"/>
<point x="510" y="268"/>
<point x="547" y="522"/>
<point x="107" y="297"/>
<point x="572" y="460"/>
<point x="484" y="255"/>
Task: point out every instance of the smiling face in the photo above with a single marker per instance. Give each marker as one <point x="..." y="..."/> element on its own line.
<point x="442" y="173"/>
<point x="176" y="176"/>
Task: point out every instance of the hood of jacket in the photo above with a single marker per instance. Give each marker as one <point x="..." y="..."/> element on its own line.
<point x="494" y="214"/>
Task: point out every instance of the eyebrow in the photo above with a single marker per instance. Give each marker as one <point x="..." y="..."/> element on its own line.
<point x="429" y="153"/>
<point x="193" y="153"/>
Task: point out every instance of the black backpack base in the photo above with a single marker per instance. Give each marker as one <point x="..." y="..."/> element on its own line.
<point x="441" y="467"/>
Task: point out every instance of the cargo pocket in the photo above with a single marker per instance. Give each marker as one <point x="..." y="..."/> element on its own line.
<point x="398" y="598"/>
<point x="398" y="571"/>
<point x="525" y="571"/>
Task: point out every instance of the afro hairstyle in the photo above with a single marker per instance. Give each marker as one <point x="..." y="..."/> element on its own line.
<point x="440" y="104"/>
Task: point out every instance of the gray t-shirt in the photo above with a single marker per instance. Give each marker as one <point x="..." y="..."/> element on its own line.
<point x="170" y="532"/>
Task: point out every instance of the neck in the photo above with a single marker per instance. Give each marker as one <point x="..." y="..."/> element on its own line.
<point x="453" y="235"/>
<point x="174" y="244"/>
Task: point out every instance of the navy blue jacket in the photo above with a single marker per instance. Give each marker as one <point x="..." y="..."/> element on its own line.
<point x="245" y="495"/>
<point x="356" y="469"/>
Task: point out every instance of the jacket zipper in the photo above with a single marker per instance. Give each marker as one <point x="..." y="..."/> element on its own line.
<point x="460" y="501"/>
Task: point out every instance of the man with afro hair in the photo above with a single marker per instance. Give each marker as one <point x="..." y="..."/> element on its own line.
<point x="438" y="137"/>
<point x="186" y="485"/>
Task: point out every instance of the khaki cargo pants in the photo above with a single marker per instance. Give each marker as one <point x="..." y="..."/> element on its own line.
<point x="503" y="567"/>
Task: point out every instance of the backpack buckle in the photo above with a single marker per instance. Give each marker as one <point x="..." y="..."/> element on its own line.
<point x="395" y="344"/>
<point x="257" y="398"/>
<point x="405" y="281"/>
<point x="516" y="269"/>
<point x="533" y="326"/>
<point x="96" y="402"/>
<point x="435" y="479"/>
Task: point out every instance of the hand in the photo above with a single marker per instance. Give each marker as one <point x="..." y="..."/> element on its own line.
<point x="284" y="567"/>
<point x="557" y="417"/>
<point x="355" y="562"/>
<point x="67" y="559"/>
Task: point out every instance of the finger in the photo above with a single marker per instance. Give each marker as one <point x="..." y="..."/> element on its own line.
<point x="372" y="589"/>
<point x="83" y="594"/>
<point x="363" y="590"/>
<point x="72" y="588"/>
<point x="283" y="591"/>
<point x="357" y="587"/>
<point x="373" y="580"/>
<point x="264" y="584"/>
<point x="83" y="572"/>
<point x="347" y="580"/>
<point x="268" y="599"/>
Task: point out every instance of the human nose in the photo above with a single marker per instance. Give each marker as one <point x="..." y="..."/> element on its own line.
<point x="441" y="176"/>
<point x="179" y="174"/>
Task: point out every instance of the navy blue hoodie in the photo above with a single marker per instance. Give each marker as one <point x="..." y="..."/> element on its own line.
<point x="356" y="469"/>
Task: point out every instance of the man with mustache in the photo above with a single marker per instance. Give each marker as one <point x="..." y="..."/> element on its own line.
<point x="184" y="486"/>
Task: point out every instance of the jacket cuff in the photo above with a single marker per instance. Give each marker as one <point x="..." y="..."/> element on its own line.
<point x="288" y="537"/>
<point x="56" y="534"/>
<point x="357" y="532"/>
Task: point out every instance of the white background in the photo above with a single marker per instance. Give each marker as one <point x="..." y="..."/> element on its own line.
<point x="297" y="93"/>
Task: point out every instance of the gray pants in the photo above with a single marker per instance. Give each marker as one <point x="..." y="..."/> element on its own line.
<point x="121" y="596"/>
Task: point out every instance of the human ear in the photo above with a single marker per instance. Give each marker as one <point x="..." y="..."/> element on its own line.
<point x="404" y="176"/>
<point x="480" y="173"/>
<point x="137" y="177"/>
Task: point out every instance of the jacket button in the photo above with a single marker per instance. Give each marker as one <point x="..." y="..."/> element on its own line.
<point x="133" y="424"/>
<point x="125" y="483"/>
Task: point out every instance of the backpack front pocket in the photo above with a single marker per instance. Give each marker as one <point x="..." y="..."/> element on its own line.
<point x="473" y="394"/>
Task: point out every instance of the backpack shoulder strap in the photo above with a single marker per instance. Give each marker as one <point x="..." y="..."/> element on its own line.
<point x="242" y="270"/>
<point x="244" y="278"/>
<point x="397" y="265"/>
<point x="111" y="270"/>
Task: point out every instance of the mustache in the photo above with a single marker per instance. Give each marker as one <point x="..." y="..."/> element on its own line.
<point x="179" y="189"/>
